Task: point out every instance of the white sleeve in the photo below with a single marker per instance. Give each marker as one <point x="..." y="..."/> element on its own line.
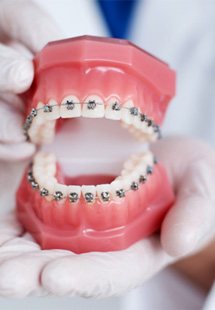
<point x="182" y="34"/>
<point x="210" y="301"/>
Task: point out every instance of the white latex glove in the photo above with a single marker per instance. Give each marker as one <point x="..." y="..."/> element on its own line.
<point x="188" y="226"/>
<point x="24" y="30"/>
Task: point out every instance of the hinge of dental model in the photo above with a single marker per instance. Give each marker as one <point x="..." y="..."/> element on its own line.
<point x="105" y="196"/>
<point x="91" y="105"/>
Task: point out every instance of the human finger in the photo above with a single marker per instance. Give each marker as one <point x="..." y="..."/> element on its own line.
<point x="26" y="22"/>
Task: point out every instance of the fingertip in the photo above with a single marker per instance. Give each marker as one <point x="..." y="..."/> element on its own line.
<point x="17" y="152"/>
<point x="179" y="240"/>
<point x="56" y="277"/>
<point x="187" y="225"/>
<point x="21" y="73"/>
<point x="12" y="281"/>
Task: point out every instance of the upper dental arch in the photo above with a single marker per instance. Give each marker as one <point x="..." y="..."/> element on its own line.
<point x="91" y="105"/>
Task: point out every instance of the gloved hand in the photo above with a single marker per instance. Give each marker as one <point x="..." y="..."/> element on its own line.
<point x="188" y="226"/>
<point x="24" y="30"/>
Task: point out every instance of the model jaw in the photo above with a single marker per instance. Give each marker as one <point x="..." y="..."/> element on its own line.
<point x="95" y="202"/>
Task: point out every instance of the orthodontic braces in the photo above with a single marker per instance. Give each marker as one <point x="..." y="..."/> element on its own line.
<point x="91" y="104"/>
<point x="89" y="197"/>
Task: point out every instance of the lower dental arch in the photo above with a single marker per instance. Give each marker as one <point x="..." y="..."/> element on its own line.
<point x="145" y="164"/>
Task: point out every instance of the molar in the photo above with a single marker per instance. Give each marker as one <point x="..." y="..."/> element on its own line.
<point x="93" y="107"/>
<point x="70" y="107"/>
<point x="113" y="109"/>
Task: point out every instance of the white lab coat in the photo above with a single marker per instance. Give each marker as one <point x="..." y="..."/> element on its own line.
<point x="182" y="33"/>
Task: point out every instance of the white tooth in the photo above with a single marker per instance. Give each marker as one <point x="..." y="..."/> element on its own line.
<point x="129" y="165"/>
<point x="149" y="130"/>
<point x="148" y="158"/>
<point x="110" y="112"/>
<point x="50" y="169"/>
<point x="98" y="111"/>
<point x="104" y="192"/>
<point x="42" y="179"/>
<point x="134" y="177"/>
<point x="38" y="173"/>
<point x="39" y="158"/>
<point x="46" y="133"/>
<point x="126" y="182"/>
<point x="116" y="185"/>
<point x="141" y="168"/>
<point x="50" y="185"/>
<point x="124" y="173"/>
<point x="136" y="120"/>
<point x="70" y="107"/>
<point x="39" y="119"/>
<point x="144" y="127"/>
<point x="49" y="158"/>
<point x="61" y="188"/>
<point x="131" y="162"/>
<point x="88" y="190"/>
<point x="74" y="189"/>
<point x="33" y="132"/>
<point x="55" y="110"/>
<point x="126" y="114"/>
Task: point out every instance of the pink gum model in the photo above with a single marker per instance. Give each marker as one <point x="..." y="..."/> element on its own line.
<point x="94" y="77"/>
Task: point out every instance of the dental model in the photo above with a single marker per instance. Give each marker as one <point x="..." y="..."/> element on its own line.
<point x="90" y="77"/>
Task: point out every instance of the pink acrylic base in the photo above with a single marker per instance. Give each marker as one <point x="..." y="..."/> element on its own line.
<point x="86" y="239"/>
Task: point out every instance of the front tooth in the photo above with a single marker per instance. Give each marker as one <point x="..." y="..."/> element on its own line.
<point x="74" y="193"/>
<point x="126" y="114"/>
<point x="93" y="107"/>
<point x="117" y="189"/>
<point x="89" y="193"/>
<point x="51" y="111"/>
<point x="70" y="107"/>
<point x="60" y="191"/>
<point x="113" y="109"/>
<point x="104" y="192"/>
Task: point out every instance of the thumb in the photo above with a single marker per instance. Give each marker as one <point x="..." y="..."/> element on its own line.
<point x="16" y="73"/>
<point x="190" y="223"/>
